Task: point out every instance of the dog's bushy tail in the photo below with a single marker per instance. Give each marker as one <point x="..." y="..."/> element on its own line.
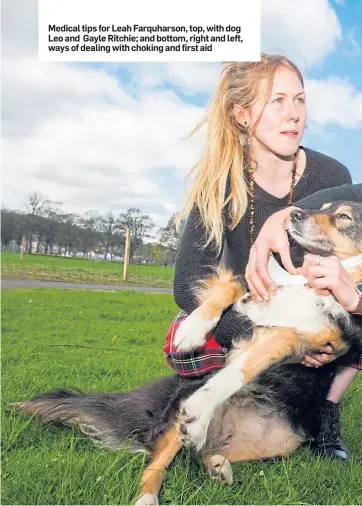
<point x="136" y="418"/>
<point x="95" y="414"/>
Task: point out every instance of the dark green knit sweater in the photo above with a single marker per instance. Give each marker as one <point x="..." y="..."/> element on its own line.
<point x="195" y="262"/>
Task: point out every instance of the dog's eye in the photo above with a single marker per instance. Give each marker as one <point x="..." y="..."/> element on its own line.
<point x="344" y="216"/>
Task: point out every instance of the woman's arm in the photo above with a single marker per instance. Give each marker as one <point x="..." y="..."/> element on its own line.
<point x="326" y="275"/>
<point x="273" y="236"/>
<point x="195" y="262"/>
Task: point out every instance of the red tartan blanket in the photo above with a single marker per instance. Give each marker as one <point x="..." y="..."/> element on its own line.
<point x="196" y="362"/>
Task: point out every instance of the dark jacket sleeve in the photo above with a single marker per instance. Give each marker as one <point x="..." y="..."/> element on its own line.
<point x="348" y="192"/>
<point x="195" y="262"/>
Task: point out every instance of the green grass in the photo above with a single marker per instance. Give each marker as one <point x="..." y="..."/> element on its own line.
<point x="49" y="267"/>
<point x="106" y="341"/>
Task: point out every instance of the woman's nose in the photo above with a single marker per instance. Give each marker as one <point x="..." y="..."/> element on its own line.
<point x="292" y="112"/>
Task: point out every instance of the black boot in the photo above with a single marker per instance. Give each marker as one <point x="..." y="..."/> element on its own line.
<point x="328" y="442"/>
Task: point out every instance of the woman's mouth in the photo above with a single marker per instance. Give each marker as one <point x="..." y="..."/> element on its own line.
<point x="290" y="133"/>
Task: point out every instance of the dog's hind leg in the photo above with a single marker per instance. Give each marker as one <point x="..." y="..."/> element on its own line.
<point x="279" y="441"/>
<point x="267" y="347"/>
<point x="257" y="432"/>
<point x="219" y="468"/>
<point x="165" y="450"/>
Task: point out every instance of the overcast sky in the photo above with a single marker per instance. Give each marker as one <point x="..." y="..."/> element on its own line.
<point x="108" y="136"/>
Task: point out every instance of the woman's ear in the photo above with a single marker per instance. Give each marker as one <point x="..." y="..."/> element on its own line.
<point x="242" y="115"/>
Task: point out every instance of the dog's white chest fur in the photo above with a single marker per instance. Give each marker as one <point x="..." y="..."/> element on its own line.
<point x="292" y="306"/>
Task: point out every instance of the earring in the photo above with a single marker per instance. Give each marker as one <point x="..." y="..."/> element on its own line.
<point x="248" y="138"/>
<point x="245" y="139"/>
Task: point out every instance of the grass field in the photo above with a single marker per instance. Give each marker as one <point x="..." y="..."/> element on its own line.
<point x="106" y="341"/>
<point x="79" y="269"/>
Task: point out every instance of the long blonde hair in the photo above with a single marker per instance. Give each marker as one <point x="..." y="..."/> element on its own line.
<point x="224" y="151"/>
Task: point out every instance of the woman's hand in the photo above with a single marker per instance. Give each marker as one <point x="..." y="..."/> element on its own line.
<point x="327" y="275"/>
<point x="272" y="237"/>
<point x="326" y="354"/>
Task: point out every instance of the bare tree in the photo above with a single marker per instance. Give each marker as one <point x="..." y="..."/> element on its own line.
<point x="108" y="227"/>
<point x="88" y="236"/>
<point x="34" y="208"/>
<point x="140" y="225"/>
<point x="13" y="227"/>
<point x="49" y="225"/>
<point x="68" y="232"/>
<point x="171" y="235"/>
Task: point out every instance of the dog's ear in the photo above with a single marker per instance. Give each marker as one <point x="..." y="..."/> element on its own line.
<point x="326" y="205"/>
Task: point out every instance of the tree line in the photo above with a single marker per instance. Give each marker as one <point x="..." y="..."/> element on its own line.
<point x="48" y="229"/>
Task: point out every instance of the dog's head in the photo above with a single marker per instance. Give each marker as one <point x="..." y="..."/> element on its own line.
<point x="336" y="229"/>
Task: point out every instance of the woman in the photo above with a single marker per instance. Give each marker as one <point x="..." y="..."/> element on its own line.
<point x="252" y="166"/>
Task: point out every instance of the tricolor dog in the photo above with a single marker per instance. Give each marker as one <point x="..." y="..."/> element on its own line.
<point x="263" y="403"/>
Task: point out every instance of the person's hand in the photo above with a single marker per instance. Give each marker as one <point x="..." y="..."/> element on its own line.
<point x="272" y="237"/>
<point x="326" y="354"/>
<point x="327" y="275"/>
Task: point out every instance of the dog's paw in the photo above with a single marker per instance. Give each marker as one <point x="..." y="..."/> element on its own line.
<point x="192" y="332"/>
<point x="219" y="468"/>
<point x="194" y="420"/>
<point x="147" y="500"/>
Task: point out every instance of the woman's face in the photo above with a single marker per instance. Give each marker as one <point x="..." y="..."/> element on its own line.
<point x="283" y="119"/>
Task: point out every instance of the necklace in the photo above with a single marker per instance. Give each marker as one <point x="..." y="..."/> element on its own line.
<point x="251" y="182"/>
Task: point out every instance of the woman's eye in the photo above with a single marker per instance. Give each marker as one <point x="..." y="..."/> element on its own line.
<point x="280" y="100"/>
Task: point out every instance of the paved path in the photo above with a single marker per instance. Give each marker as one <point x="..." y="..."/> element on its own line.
<point x="9" y="282"/>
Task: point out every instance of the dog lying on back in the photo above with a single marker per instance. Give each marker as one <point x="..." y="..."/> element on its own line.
<point x="261" y="404"/>
<point x="295" y="321"/>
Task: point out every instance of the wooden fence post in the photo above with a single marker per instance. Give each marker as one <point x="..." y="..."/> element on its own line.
<point x="22" y="248"/>
<point x="126" y="254"/>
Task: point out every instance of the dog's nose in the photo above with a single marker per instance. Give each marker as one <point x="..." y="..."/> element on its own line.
<point x="297" y="215"/>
